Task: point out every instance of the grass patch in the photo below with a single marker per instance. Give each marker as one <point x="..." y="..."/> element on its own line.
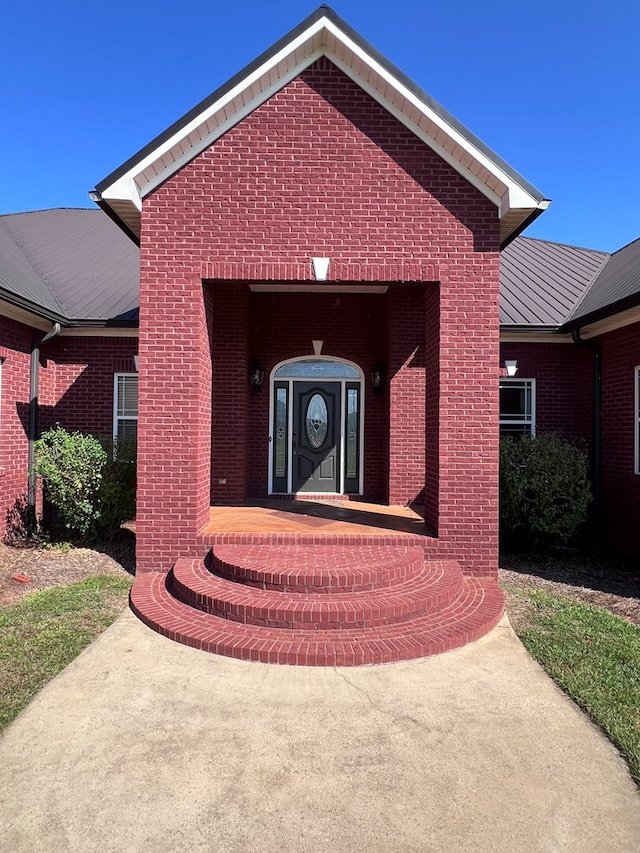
<point x="593" y="656"/>
<point x="46" y="630"/>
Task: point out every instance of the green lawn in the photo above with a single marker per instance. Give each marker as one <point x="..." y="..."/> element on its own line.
<point x="594" y="657"/>
<point x="591" y="654"/>
<point x="46" y="630"/>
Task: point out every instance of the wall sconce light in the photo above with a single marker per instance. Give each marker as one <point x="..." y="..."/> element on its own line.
<point x="511" y="366"/>
<point x="377" y="378"/>
<point x="256" y="378"/>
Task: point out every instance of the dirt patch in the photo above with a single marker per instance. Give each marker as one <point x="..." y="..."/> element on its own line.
<point x="603" y="581"/>
<point x="55" y="566"/>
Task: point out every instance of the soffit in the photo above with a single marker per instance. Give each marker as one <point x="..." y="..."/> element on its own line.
<point x="323" y="34"/>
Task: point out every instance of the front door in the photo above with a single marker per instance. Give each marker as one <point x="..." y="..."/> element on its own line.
<point x="316" y="427"/>
<point x="316" y="436"/>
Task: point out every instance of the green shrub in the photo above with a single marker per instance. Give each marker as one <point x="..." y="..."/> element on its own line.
<point x="70" y="465"/>
<point x="116" y="498"/>
<point x="544" y="491"/>
<point x="88" y="481"/>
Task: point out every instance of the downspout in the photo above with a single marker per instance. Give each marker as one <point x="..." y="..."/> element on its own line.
<point x="33" y="422"/>
<point x="597" y="432"/>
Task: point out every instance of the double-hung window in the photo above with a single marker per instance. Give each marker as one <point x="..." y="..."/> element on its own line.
<point x="125" y="407"/>
<point x="517" y="407"/>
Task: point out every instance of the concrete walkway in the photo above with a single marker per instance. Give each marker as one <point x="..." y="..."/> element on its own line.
<point x="145" y="745"/>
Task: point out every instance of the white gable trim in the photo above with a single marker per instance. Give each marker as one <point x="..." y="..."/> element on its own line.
<point x="322" y="38"/>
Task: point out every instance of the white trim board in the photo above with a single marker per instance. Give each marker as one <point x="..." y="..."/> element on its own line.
<point x="322" y="38"/>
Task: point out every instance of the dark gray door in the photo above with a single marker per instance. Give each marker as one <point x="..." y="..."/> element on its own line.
<point x="316" y="437"/>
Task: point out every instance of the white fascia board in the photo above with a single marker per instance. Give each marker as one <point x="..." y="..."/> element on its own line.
<point x="99" y="332"/>
<point x="611" y="324"/>
<point x="515" y="198"/>
<point x="534" y="337"/>
<point x="21" y="315"/>
<point x="125" y="189"/>
<point x="396" y="112"/>
<point x="133" y="186"/>
<point x="223" y="127"/>
<point x="514" y="189"/>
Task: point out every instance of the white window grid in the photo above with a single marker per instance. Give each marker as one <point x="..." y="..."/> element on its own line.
<point x="528" y="420"/>
<point x="122" y="414"/>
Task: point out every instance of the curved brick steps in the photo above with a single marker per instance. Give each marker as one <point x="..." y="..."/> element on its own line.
<point x="431" y="587"/>
<point x="326" y="569"/>
<point x="475" y="610"/>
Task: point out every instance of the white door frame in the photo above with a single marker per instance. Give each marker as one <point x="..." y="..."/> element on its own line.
<point x="311" y="377"/>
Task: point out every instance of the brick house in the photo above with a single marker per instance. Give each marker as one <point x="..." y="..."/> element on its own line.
<point x="319" y="318"/>
<point x="69" y="284"/>
<point x="570" y="317"/>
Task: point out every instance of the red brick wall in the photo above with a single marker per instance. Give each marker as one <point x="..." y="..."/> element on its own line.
<point x="319" y="169"/>
<point x="406" y="320"/>
<point x="564" y="374"/>
<point x="75" y="390"/>
<point x="564" y="382"/>
<point x="620" y="485"/>
<point x="15" y="343"/>
<point x="432" y="405"/>
<point x="468" y="412"/>
<point x="230" y="393"/>
<point x="82" y="396"/>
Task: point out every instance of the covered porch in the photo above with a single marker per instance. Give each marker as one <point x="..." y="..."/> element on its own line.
<point x="319" y="516"/>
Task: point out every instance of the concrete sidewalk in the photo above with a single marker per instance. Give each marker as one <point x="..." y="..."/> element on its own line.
<point x="145" y="745"/>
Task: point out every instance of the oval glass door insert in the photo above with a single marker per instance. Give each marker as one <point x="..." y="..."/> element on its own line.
<point x="316" y="421"/>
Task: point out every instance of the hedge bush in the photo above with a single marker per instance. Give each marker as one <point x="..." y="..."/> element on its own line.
<point x="544" y="491"/>
<point x="88" y="481"/>
<point x="116" y="498"/>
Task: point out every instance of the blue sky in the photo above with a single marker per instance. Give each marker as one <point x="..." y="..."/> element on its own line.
<point x="553" y="87"/>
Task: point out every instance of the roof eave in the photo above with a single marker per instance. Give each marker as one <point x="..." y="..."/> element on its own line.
<point x="528" y="219"/>
<point x="29" y="307"/>
<point x="530" y="333"/>
<point x="121" y="222"/>
<point x="604" y="313"/>
<point x="38" y="313"/>
<point x="323" y="33"/>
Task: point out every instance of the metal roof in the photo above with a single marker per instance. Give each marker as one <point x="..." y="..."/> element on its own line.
<point x="617" y="287"/>
<point x="541" y="282"/>
<point x="74" y="264"/>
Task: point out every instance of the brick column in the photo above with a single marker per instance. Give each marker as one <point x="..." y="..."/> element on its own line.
<point x="468" y="417"/>
<point x="174" y="412"/>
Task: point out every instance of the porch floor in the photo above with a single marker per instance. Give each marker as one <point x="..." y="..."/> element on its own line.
<point x="319" y="517"/>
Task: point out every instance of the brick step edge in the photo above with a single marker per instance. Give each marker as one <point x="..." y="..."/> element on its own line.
<point x="474" y="613"/>
<point x="433" y="588"/>
<point x="315" y="538"/>
<point x="321" y="568"/>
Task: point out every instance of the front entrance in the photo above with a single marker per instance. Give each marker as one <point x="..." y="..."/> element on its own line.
<point x="316" y="433"/>
<point x="316" y="426"/>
